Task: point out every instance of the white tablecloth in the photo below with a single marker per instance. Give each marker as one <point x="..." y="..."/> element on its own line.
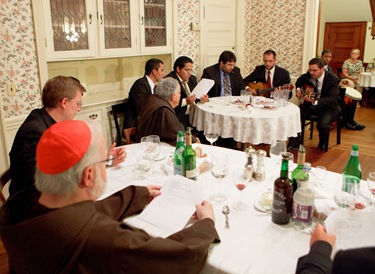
<point x="247" y="126"/>
<point x="253" y="244"/>
<point x="367" y="79"/>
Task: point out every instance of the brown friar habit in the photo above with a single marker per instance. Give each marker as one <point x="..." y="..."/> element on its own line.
<point x="90" y="237"/>
<point x="158" y="118"/>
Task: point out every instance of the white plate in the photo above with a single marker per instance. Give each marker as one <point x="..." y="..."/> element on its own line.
<point x="258" y="206"/>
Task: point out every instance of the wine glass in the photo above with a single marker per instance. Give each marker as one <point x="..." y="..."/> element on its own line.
<point x="276" y="148"/>
<point x="219" y="169"/>
<point x="212" y="137"/>
<point x="241" y="177"/>
<point x="371" y="185"/>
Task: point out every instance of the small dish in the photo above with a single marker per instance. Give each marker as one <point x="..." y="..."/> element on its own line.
<point x="262" y="208"/>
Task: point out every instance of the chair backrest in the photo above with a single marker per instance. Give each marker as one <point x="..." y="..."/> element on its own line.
<point x="4" y="178"/>
<point x="129" y="132"/>
<point x="119" y="110"/>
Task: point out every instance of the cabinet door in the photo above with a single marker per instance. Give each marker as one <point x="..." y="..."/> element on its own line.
<point x="117" y="27"/>
<point x="156" y="18"/>
<point x="69" y="28"/>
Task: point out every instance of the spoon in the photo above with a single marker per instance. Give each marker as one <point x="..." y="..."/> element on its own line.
<point x="226" y="211"/>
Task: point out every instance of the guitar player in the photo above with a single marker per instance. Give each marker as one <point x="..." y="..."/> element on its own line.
<point x="269" y="73"/>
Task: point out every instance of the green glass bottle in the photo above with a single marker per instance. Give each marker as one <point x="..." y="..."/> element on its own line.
<point x="188" y="164"/>
<point x="352" y="173"/>
<point x="297" y="172"/>
<point x="282" y="195"/>
<point x="177" y="157"/>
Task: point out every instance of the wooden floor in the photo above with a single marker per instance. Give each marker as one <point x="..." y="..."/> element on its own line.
<point x="334" y="160"/>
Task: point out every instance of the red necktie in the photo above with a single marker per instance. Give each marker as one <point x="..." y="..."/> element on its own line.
<point x="269" y="79"/>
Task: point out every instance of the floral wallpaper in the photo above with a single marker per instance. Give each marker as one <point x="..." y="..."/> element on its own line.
<point x="268" y="24"/>
<point x="188" y="41"/>
<point x="18" y="61"/>
<point x="277" y="25"/>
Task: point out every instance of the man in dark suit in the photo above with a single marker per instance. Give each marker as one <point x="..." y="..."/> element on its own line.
<point x="269" y="73"/>
<point x="318" y="260"/>
<point x="154" y="71"/>
<point x="325" y="103"/>
<point x="182" y="69"/>
<point x="224" y="68"/>
<point x="326" y="57"/>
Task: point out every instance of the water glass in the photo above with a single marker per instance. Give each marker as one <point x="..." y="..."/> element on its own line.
<point x="321" y="175"/>
<point x="371" y="185"/>
<point x="143" y="166"/>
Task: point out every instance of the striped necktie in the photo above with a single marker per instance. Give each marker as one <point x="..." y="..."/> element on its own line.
<point x="226" y="84"/>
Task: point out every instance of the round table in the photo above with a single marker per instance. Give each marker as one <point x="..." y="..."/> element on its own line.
<point x="367" y="79"/>
<point x="252" y="125"/>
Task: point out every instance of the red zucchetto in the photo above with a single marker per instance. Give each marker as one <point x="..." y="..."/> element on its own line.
<point x="62" y="146"/>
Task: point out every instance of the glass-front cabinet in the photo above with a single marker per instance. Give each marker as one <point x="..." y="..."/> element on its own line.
<point x="155" y="31"/>
<point x="101" y="28"/>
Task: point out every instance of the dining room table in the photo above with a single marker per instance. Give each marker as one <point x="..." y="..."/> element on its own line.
<point x="253" y="243"/>
<point x="261" y="122"/>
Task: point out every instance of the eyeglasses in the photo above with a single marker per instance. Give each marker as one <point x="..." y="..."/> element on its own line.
<point x="188" y="70"/>
<point x="108" y="162"/>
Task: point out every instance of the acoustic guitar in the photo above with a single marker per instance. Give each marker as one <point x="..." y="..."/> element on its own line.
<point x="263" y="89"/>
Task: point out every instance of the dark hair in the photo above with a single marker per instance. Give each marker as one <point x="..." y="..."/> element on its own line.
<point x="326" y="51"/>
<point x="60" y="87"/>
<point x="181" y="61"/>
<point x="270" y="51"/>
<point x="317" y="61"/>
<point x="152" y="64"/>
<point x="227" y="56"/>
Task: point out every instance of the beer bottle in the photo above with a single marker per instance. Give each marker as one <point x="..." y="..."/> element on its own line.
<point x="188" y="164"/>
<point x="282" y="195"/>
<point x="177" y="157"/>
<point x="296" y="174"/>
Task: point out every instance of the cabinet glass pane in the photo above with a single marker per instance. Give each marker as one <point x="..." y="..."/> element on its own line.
<point x="155" y="23"/>
<point x="69" y="25"/>
<point x="117" y="24"/>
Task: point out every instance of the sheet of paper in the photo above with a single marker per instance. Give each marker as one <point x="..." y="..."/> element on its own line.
<point x="203" y="87"/>
<point x="174" y="207"/>
<point x="353" y="228"/>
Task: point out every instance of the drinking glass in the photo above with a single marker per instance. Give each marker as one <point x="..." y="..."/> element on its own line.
<point x="212" y="137"/>
<point x="371" y="185"/>
<point x="321" y="175"/>
<point x="154" y="149"/>
<point x="342" y="198"/>
<point x="146" y="144"/>
<point x="276" y="148"/>
<point x="144" y="166"/>
<point x="241" y="177"/>
<point x="219" y="169"/>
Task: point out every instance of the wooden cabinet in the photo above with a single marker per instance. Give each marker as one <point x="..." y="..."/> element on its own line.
<point x="105" y="28"/>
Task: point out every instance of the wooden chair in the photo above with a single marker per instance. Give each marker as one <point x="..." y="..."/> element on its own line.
<point x="120" y="110"/>
<point x="128" y="133"/>
<point x="4" y="178"/>
<point x="313" y="118"/>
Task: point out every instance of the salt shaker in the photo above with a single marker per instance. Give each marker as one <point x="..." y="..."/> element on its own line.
<point x="260" y="171"/>
<point x="250" y="152"/>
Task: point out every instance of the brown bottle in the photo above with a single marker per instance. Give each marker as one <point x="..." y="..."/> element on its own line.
<point x="282" y="195"/>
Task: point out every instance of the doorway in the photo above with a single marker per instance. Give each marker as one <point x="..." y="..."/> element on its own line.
<point x="341" y="38"/>
<point x="218" y="30"/>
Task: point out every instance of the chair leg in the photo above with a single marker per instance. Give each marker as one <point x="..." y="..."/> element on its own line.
<point x="311" y="129"/>
<point x="302" y="131"/>
<point x="338" y="140"/>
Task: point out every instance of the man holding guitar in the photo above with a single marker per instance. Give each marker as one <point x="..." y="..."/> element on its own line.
<point x="321" y="101"/>
<point x="265" y="78"/>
